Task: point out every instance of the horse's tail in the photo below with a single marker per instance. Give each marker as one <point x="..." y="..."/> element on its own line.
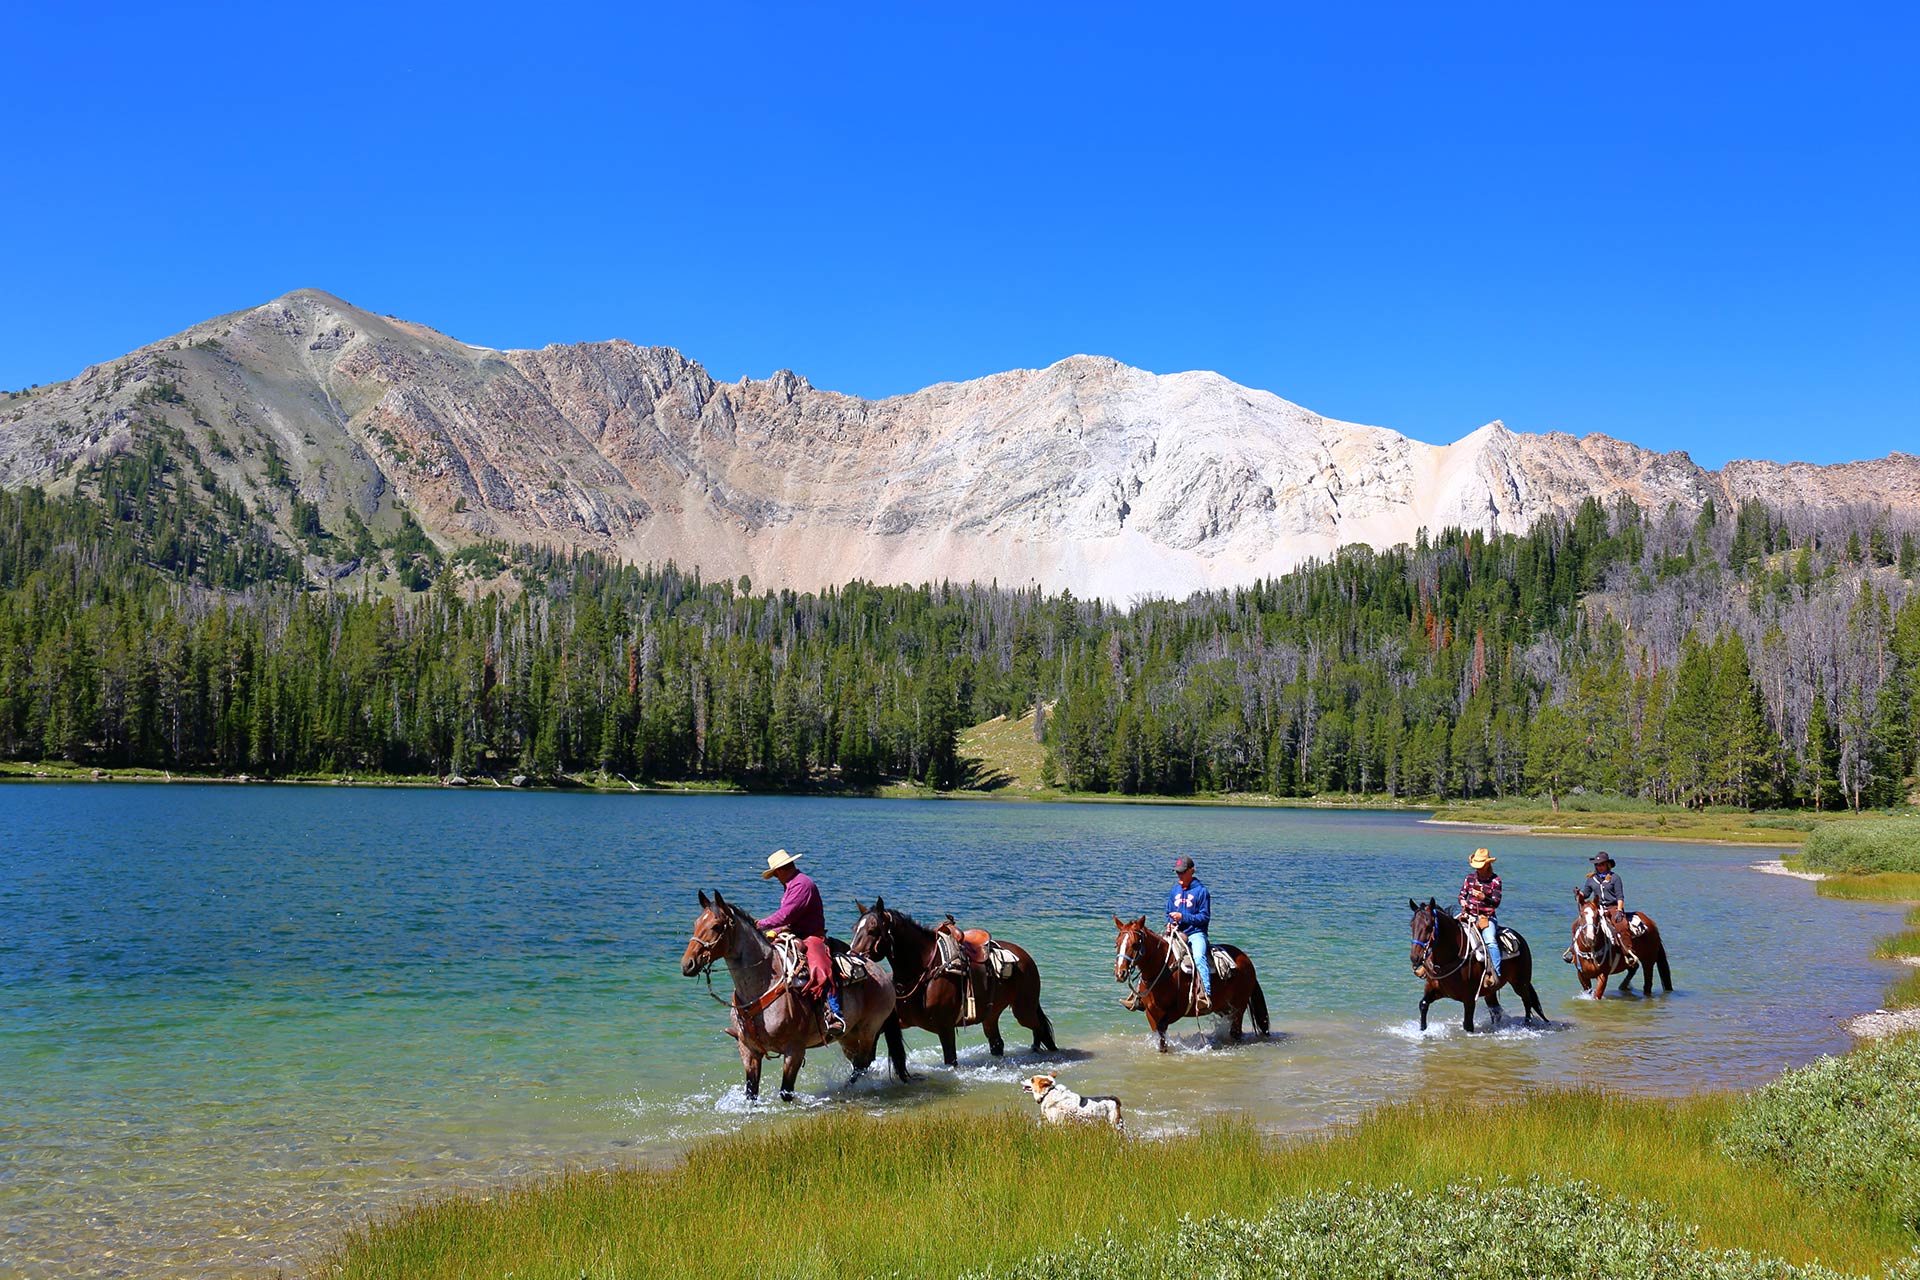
<point x="1258" y="1004"/>
<point x="1043" y="1034"/>
<point x="1666" y="975"/>
<point x="896" y="1047"/>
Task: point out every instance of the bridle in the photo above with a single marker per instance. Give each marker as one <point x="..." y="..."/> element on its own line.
<point x="884" y="939"/>
<point x="1425" y="968"/>
<point x="1589" y="929"/>
<point x="1126" y="962"/>
<point x="709" y="952"/>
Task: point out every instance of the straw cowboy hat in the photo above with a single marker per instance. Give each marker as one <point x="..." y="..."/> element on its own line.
<point x="777" y="859"/>
<point x="1481" y="858"/>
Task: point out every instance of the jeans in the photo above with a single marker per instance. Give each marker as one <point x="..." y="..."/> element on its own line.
<point x="1202" y="962"/>
<point x="1493" y="945"/>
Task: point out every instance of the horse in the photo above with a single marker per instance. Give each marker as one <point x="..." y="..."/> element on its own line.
<point x="1595" y="961"/>
<point x="1445" y="958"/>
<point x="936" y="998"/>
<point x="1172" y="993"/>
<point x="766" y="1015"/>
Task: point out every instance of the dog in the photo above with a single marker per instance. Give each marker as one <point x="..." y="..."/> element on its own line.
<point x="1060" y="1105"/>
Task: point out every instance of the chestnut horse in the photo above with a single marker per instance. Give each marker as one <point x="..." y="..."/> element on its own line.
<point x="1167" y="993"/>
<point x="1596" y="961"/>
<point x="1444" y="957"/>
<point x="766" y="1015"/>
<point x="934" y="998"/>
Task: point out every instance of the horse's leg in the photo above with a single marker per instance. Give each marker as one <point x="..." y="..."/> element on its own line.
<point x="1160" y="1029"/>
<point x="948" y="1054"/>
<point x="1466" y="1002"/>
<point x="791" y="1072"/>
<point x="991" y="1025"/>
<point x="1239" y="1007"/>
<point x="1495" y="1014"/>
<point x="1426" y="1002"/>
<point x="752" y="1060"/>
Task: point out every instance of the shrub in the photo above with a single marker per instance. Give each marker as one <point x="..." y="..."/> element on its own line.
<point x="1848" y="1125"/>
<point x="1866" y="847"/>
<point x="1470" y="1230"/>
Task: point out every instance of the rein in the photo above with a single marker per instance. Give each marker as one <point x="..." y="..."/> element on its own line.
<point x="708" y="955"/>
<point x="1133" y="966"/>
<point x="1426" y="944"/>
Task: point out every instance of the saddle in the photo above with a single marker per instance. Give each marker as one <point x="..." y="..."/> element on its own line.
<point x="1219" y="957"/>
<point x="848" y="969"/>
<point x="972" y="956"/>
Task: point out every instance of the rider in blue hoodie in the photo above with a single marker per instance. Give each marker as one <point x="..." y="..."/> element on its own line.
<point x="1190" y="909"/>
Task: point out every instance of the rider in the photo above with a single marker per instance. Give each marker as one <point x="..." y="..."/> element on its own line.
<point x="1605" y="887"/>
<point x="1479" y="901"/>
<point x="804" y="915"/>
<point x="1190" y="910"/>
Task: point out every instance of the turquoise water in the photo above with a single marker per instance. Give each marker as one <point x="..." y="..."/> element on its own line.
<point x="234" y="1020"/>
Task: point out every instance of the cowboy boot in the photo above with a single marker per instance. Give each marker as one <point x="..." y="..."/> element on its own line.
<point x="1131" y="1001"/>
<point x="835" y="1021"/>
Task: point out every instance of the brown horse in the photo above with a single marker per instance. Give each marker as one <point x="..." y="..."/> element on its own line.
<point x="1444" y="957"/>
<point x="1595" y="959"/>
<point x="1168" y="993"/>
<point x="935" y="997"/>
<point x="766" y="1015"/>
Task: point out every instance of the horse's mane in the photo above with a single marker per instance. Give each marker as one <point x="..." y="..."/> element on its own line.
<point x="901" y="917"/>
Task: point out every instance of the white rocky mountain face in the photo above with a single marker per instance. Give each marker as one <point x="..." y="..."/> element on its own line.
<point x="1088" y="474"/>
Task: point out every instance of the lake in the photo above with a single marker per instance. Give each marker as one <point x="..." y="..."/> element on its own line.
<point x="234" y="1020"/>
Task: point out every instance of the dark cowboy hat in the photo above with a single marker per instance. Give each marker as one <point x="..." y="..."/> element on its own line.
<point x="1183" y="863"/>
<point x="1602" y="856"/>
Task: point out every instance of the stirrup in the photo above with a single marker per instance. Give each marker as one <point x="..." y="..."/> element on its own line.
<point x="1131" y="1001"/>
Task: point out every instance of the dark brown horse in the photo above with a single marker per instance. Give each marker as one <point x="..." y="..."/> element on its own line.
<point x="1444" y="957"/>
<point x="932" y="988"/>
<point x="1168" y="993"/>
<point x="766" y="1015"/>
<point x="1596" y="959"/>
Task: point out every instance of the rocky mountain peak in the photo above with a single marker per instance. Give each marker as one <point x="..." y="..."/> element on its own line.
<point x="1089" y="473"/>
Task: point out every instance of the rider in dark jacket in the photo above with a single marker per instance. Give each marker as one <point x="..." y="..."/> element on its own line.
<point x="1605" y="887"/>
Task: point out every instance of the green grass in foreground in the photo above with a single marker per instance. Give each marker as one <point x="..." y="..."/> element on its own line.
<point x="1474" y="1229"/>
<point x="846" y="1195"/>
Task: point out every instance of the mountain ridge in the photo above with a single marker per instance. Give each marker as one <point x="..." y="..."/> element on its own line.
<point x="1087" y="474"/>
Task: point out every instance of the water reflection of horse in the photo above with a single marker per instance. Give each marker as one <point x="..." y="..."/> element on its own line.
<point x="935" y="998"/>
<point x="1596" y="961"/>
<point x="1169" y="994"/>
<point x="766" y="1015"/>
<point x="1445" y="957"/>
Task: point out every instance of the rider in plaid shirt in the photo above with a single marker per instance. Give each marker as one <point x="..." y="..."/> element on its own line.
<point x="1479" y="900"/>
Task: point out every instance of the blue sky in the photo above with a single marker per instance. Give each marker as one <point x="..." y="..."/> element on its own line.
<point x="1689" y="226"/>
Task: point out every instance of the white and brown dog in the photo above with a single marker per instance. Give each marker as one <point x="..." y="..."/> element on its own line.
<point x="1059" y="1105"/>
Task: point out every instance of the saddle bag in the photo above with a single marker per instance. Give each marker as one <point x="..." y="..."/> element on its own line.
<point x="852" y="969"/>
<point x="1222" y="961"/>
<point x="1001" y="962"/>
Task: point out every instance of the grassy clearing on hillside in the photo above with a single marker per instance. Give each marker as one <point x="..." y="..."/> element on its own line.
<point x="846" y="1194"/>
<point x="1871" y="847"/>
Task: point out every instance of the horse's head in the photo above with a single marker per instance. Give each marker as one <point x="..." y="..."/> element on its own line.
<point x="1589" y="925"/>
<point x="873" y="935"/>
<point x="1426" y="928"/>
<point x="713" y="935"/>
<point x="1128" y="943"/>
